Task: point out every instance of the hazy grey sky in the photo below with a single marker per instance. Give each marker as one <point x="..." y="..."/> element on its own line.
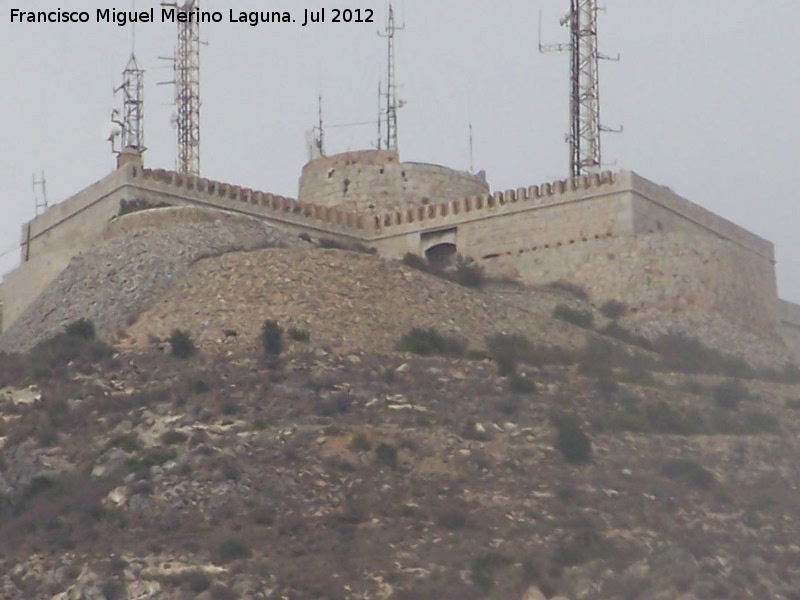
<point x="707" y="92"/>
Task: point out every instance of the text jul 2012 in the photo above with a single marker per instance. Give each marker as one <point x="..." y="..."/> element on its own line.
<point x="177" y="15"/>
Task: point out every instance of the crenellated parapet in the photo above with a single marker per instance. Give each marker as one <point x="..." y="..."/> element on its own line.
<point x="497" y="203"/>
<point x="200" y="190"/>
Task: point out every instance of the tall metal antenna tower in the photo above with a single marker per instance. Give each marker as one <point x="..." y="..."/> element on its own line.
<point x="392" y="103"/>
<point x="585" y="127"/>
<point x="319" y="139"/>
<point x="41" y="201"/>
<point x="130" y="124"/>
<point x="187" y="88"/>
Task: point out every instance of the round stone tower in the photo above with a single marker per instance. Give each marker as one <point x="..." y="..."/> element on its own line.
<point x="376" y="179"/>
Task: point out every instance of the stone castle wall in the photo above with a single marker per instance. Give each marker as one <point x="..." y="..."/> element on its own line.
<point x="618" y="234"/>
<point x="789" y="315"/>
<point x="376" y="179"/>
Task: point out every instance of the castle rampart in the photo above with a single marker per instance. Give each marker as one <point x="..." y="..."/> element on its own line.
<point x="618" y="234"/>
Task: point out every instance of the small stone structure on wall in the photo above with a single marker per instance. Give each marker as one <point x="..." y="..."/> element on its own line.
<point x="619" y="235"/>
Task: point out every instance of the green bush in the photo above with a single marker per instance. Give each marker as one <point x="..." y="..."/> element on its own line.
<point x="386" y="454"/>
<point x="573" y="289"/>
<point x="617" y="331"/>
<point x="429" y="342"/>
<point x="576" y="316"/>
<point x="52" y="357"/>
<point x="360" y="443"/>
<point x="483" y="567"/>
<point x="571" y="441"/>
<point x="520" y="384"/>
<point x="688" y="471"/>
<point x="469" y="274"/>
<point x="199" y="386"/>
<point x="298" y="334"/>
<point x="639" y="376"/>
<point x="508" y="350"/>
<point x="416" y="262"/>
<point x="729" y="394"/>
<point x="272" y="338"/>
<point x="82" y="328"/>
<point x="233" y="548"/>
<point x="613" y="309"/>
<point x="582" y="543"/>
<point x="182" y="344"/>
<point x="688" y="355"/>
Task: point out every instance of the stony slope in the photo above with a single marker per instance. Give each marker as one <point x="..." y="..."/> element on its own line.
<point x="345" y="299"/>
<point x="384" y="476"/>
<point x="133" y="264"/>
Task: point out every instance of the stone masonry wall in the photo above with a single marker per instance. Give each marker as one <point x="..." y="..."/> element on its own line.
<point x="376" y="179"/>
<point x="669" y="273"/>
<point x="789" y="314"/>
<point x="132" y="264"/>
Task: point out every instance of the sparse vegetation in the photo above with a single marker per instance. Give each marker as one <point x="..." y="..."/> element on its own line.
<point x="429" y="342"/>
<point x="573" y="289"/>
<point x="386" y="454"/>
<point x="729" y="394"/>
<point x="571" y="441"/>
<point x="483" y="567"/>
<point x="688" y="471"/>
<point x="468" y="273"/>
<point x="576" y="316"/>
<point x="182" y="344"/>
<point x="688" y="355"/>
<point x="613" y="309"/>
<point x="233" y="548"/>
<point x="519" y="384"/>
<point x="82" y="328"/>
<point x="509" y="350"/>
<point x="617" y="331"/>
<point x="360" y="443"/>
<point x="358" y="247"/>
<point x="272" y="338"/>
<point x="299" y="334"/>
<point x="51" y="358"/>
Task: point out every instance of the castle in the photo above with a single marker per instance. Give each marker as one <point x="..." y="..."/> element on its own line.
<point x="618" y="235"/>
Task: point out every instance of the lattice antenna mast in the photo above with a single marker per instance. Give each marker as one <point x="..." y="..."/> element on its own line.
<point x="187" y="87"/>
<point x="319" y="131"/>
<point x="41" y="201"/>
<point x="390" y="97"/>
<point x="585" y="127"/>
<point x="129" y="131"/>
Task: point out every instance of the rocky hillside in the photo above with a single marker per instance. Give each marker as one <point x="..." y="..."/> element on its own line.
<point x="571" y="462"/>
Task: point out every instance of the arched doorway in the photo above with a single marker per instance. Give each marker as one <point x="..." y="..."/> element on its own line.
<point x="442" y="255"/>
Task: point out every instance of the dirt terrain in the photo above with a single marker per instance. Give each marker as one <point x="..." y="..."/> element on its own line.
<point x="345" y="469"/>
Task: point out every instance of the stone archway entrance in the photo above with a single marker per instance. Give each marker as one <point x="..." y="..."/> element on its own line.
<point x="442" y="255"/>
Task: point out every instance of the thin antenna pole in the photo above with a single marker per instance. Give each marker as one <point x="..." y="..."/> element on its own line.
<point x="469" y="121"/>
<point x="392" y="103"/>
<point x="41" y="202"/>
<point x="471" y="157"/>
<point x="321" y="138"/>
<point x="380" y="114"/>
